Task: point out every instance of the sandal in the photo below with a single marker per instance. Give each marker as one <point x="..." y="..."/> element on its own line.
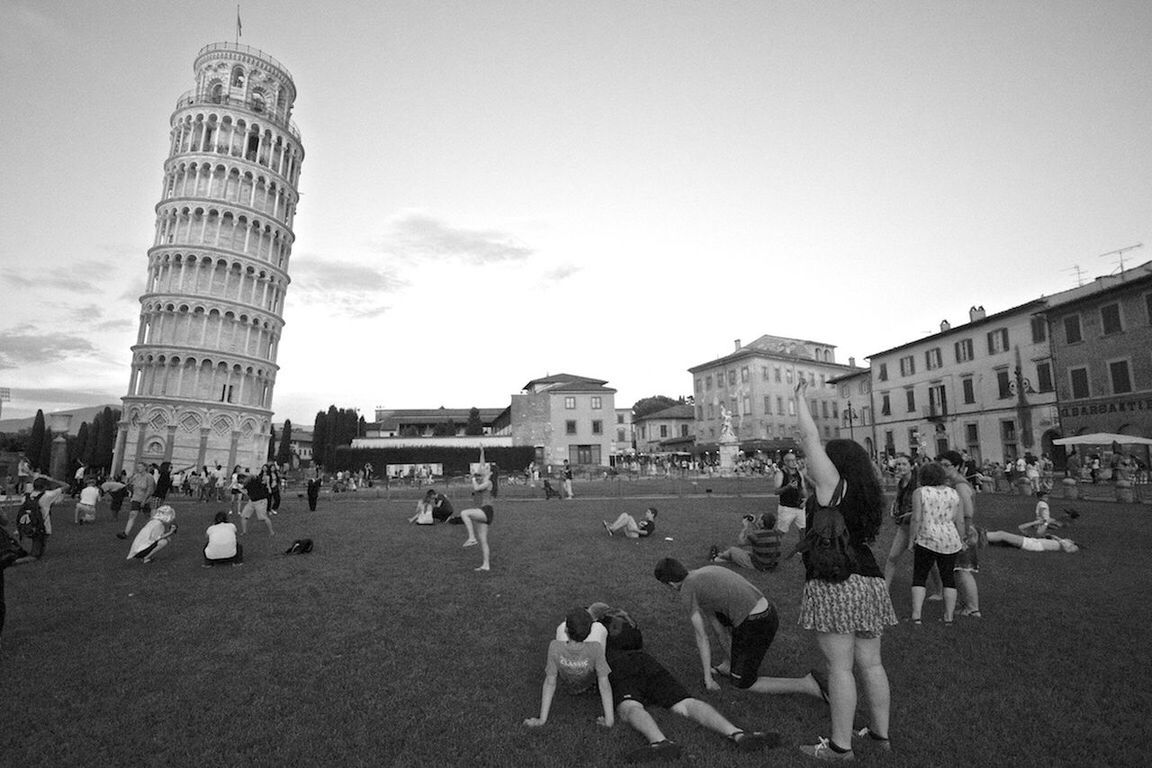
<point x="753" y="741"/>
<point x="971" y="614"/>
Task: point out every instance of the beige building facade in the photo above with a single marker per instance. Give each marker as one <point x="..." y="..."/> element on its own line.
<point x="566" y="417"/>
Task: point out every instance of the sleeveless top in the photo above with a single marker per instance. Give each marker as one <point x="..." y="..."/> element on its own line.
<point x="937" y="531"/>
<point x="482" y="496"/>
<point x="865" y="561"/>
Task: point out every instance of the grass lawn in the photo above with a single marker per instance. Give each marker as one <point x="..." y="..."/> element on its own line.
<point x="383" y="647"/>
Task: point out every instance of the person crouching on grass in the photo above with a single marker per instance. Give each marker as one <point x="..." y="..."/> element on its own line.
<point x="631" y="528"/>
<point x="580" y="665"/>
<point x="154" y="536"/>
<point x="222" y="546"/>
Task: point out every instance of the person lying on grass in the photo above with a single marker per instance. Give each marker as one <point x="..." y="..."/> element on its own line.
<point x="633" y="530"/>
<point x="1050" y="543"/>
<point x="638" y="681"/>
<point x="757" y="545"/>
<point x="580" y="665"/>
<point x="154" y="536"/>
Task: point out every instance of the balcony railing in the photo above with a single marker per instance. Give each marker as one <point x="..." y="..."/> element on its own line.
<point x="256" y="52"/>
<point x="190" y="99"/>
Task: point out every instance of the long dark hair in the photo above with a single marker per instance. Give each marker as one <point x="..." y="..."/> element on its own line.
<point x="863" y="504"/>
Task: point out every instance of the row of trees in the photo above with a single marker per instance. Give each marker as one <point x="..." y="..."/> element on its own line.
<point x="335" y="427"/>
<point x="92" y="444"/>
<point x="283" y="454"/>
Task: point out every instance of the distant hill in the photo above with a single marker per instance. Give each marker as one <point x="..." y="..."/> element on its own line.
<point x="79" y="416"/>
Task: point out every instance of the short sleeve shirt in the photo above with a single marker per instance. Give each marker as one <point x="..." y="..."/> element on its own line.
<point x="647" y="527"/>
<point x="577" y="665"/>
<point x="720" y="592"/>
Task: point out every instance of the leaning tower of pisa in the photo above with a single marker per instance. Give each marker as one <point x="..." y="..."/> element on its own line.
<point x="211" y="317"/>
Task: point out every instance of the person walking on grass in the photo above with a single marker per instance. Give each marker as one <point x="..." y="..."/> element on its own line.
<point x="478" y="517"/>
<point x="906" y="484"/>
<point x="143" y="489"/>
<point x="967" y="561"/>
<point x="632" y="529"/>
<point x="256" y="492"/>
<point x="934" y="537"/>
<point x="566" y="476"/>
<point x="315" y="480"/>
<point x="848" y="614"/>
<point x="791" y="490"/>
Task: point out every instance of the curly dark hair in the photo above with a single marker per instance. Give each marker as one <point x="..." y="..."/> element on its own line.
<point x="933" y="473"/>
<point x="863" y="503"/>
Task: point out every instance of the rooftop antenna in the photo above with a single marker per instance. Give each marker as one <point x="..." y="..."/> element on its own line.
<point x="1079" y="274"/>
<point x="1119" y="252"/>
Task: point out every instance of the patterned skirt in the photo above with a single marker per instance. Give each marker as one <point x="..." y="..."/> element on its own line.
<point x="860" y="606"/>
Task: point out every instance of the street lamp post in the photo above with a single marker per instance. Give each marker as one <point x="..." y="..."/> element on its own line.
<point x="850" y="412"/>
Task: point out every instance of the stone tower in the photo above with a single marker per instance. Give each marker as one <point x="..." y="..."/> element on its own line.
<point x="204" y="362"/>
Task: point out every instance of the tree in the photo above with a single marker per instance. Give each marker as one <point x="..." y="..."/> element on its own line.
<point x="109" y="420"/>
<point x="647" y="405"/>
<point x="45" y="460"/>
<point x="444" y="429"/>
<point x="284" y="455"/>
<point x="271" y="443"/>
<point x="78" y="447"/>
<point x="474" y="425"/>
<point x="36" y="441"/>
<point x="320" y="438"/>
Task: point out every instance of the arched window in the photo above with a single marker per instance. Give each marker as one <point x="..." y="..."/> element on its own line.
<point x="237" y="77"/>
<point x="257" y="101"/>
<point x="216" y="93"/>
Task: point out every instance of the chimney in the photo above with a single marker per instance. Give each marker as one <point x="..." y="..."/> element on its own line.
<point x="976" y="313"/>
<point x="737" y="345"/>
<point x="945" y="326"/>
<point x="851" y="362"/>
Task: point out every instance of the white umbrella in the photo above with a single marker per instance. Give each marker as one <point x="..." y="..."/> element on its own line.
<point x="1103" y="438"/>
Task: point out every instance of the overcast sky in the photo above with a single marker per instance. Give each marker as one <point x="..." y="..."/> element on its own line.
<point x="495" y="190"/>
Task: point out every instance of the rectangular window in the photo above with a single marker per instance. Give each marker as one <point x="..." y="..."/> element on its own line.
<point x="889" y="443"/>
<point x="570" y="427"/>
<point x="1044" y="376"/>
<point x="963" y="350"/>
<point x="883" y="375"/>
<point x="997" y="341"/>
<point x="767" y="404"/>
<point x="972" y="434"/>
<point x="835" y="410"/>
<point x="699" y="413"/>
<point x="969" y="390"/>
<point x="788" y="375"/>
<point x="1072" y="329"/>
<point x="1079" y="379"/>
<point x="699" y="385"/>
<point x="885" y="405"/>
<point x="1003" y="384"/>
<point x="791" y="407"/>
<point x="683" y="430"/>
<point x="907" y="365"/>
<point x="619" y="435"/>
<point x="620" y="417"/>
<point x="1121" y="381"/>
<point x="595" y="402"/>
<point x="823" y="380"/>
<point x="719" y="380"/>
<point x="824" y="408"/>
<point x="764" y="372"/>
<point x="1110" y="318"/>
<point x="744" y="373"/>
<point x="911" y="395"/>
<point x="938" y="400"/>
<point x="570" y="403"/>
<point x="779" y="406"/>
<point x="584" y="454"/>
<point x="776" y="374"/>
<point x="708" y="382"/>
<point x="663" y="430"/>
<point x="913" y="441"/>
<point x="597" y="427"/>
<point x="1039" y="330"/>
<point x="1008" y="431"/>
<point x="932" y="359"/>
<point x="1148" y="306"/>
<point x="747" y="405"/>
<point x="732" y="377"/>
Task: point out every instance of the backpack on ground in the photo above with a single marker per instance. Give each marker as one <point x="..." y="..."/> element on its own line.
<point x="30" y="520"/>
<point x="826" y="541"/>
<point x="299" y="547"/>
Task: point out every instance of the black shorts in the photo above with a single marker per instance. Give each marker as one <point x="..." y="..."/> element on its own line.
<point x="636" y="676"/>
<point x="489" y="513"/>
<point x="145" y="552"/>
<point x="750" y="642"/>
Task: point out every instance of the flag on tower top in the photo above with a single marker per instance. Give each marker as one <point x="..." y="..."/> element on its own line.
<point x="239" y="27"/>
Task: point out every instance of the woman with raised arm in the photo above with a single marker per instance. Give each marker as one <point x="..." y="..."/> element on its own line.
<point x="479" y="516"/>
<point x="849" y="615"/>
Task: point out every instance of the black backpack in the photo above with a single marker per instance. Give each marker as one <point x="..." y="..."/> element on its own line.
<point x="826" y="542"/>
<point x="623" y="632"/>
<point x="299" y="547"/>
<point x="30" y="520"/>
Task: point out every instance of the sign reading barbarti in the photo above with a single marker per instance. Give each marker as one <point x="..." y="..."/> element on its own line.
<point x="1107" y="406"/>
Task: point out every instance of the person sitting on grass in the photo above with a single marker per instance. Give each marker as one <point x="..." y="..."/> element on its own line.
<point x="631" y="528"/>
<point x="580" y="665"/>
<point x="222" y="546"/>
<point x="757" y="545"/>
<point x="1043" y="520"/>
<point x="154" y="536"/>
<point x="639" y="681"/>
<point x="424" y="509"/>
<point x="442" y="508"/>
<point x="1049" y="543"/>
